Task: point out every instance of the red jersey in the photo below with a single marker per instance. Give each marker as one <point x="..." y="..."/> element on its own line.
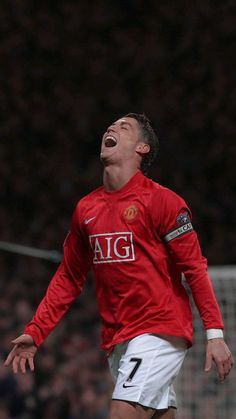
<point x="138" y="240"/>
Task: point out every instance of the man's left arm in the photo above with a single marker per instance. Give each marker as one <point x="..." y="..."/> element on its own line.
<point x="186" y="253"/>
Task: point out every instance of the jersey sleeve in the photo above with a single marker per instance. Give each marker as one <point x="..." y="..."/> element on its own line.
<point x="65" y="285"/>
<point x="173" y="223"/>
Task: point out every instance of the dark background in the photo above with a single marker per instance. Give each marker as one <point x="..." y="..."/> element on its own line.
<point x="68" y="69"/>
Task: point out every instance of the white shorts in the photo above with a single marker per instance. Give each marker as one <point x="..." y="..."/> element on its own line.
<point x="143" y="370"/>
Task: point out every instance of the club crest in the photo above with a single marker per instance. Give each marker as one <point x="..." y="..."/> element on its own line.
<point x="130" y="213"/>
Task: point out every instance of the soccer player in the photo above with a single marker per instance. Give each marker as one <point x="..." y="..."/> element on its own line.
<point x="138" y="237"/>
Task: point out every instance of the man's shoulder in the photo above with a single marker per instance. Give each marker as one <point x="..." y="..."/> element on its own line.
<point x="157" y="188"/>
<point x="162" y="193"/>
<point x="90" y="199"/>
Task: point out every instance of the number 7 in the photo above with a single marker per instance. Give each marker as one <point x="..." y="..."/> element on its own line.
<point x="135" y="369"/>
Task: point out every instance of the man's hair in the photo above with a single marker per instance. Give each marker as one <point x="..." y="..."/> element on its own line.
<point x="149" y="137"/>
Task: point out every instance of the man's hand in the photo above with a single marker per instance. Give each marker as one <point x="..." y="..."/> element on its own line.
<point x="218" y="351"/>
<point x="22" y="353"/>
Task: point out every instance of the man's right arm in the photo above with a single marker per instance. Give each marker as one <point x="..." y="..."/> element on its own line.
<point x="65" y="285"/>
<point x="63" y="289"/>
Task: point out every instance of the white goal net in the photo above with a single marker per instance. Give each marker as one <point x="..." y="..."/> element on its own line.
<point x="199" y="394"/>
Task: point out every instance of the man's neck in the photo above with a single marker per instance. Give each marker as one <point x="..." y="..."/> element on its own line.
<point x="115" y="178"/>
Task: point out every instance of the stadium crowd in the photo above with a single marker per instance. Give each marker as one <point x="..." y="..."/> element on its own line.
<point x="67" y="70"/>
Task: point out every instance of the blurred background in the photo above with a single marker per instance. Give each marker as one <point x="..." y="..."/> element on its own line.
<point x="68" y="69"/>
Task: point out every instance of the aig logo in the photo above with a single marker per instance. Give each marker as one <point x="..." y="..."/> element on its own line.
<point x="112" y="247"/>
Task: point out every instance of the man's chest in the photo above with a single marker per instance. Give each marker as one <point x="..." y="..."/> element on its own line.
<point x="115" y="229"/>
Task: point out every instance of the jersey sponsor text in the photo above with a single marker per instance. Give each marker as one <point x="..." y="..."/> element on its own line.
<point x="112" y="247"/>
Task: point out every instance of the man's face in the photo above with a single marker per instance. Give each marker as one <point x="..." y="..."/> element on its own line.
<point x="120" y="141"/>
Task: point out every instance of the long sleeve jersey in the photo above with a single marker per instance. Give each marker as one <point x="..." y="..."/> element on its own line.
<point x="139" y="240"/>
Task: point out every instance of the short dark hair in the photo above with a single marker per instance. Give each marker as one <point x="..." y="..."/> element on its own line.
<point x="149" y="136"/>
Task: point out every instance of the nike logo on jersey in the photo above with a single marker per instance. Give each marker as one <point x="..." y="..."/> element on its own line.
<point x="87" y="220"/>
<point x="125" y="386"/>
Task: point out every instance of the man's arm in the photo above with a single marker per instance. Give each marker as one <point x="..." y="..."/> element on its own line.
<point x="63" y="289"/>
<point x="174" y="224"/>
<point x="185" y="252"/>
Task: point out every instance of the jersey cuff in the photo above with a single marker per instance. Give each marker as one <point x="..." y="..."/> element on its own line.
<point x="214" y="334"/>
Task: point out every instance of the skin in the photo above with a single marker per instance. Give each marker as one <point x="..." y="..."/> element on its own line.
<point x="120" y="164"/>
<point x="122" y="161"/>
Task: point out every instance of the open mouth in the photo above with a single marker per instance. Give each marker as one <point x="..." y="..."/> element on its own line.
<point x="110" y="141"/>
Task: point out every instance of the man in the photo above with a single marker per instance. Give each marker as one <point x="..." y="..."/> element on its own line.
<point x="139" y="239"/>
